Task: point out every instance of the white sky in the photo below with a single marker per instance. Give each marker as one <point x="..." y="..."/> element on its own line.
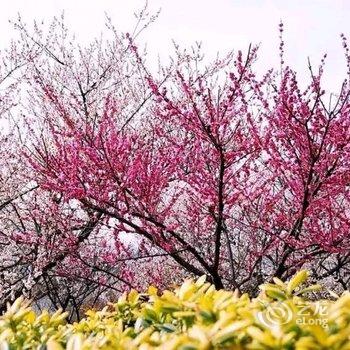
<point x="312" y="27"/>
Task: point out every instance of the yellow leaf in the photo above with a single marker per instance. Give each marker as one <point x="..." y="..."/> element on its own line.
<point x="53" y="345"/>
<point x="297" y="280"/>
<point x="75" y="342"/>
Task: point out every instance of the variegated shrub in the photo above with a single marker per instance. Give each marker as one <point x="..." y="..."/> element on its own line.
<point x="194" y="316"/>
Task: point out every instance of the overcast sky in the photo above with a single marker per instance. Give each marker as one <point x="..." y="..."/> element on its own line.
<point x="312" y="27"/>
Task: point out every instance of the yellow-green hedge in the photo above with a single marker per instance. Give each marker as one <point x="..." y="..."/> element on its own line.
<point x="193" y="316"/>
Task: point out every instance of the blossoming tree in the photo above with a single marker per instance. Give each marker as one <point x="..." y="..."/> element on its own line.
<point x="198" y="169"/>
